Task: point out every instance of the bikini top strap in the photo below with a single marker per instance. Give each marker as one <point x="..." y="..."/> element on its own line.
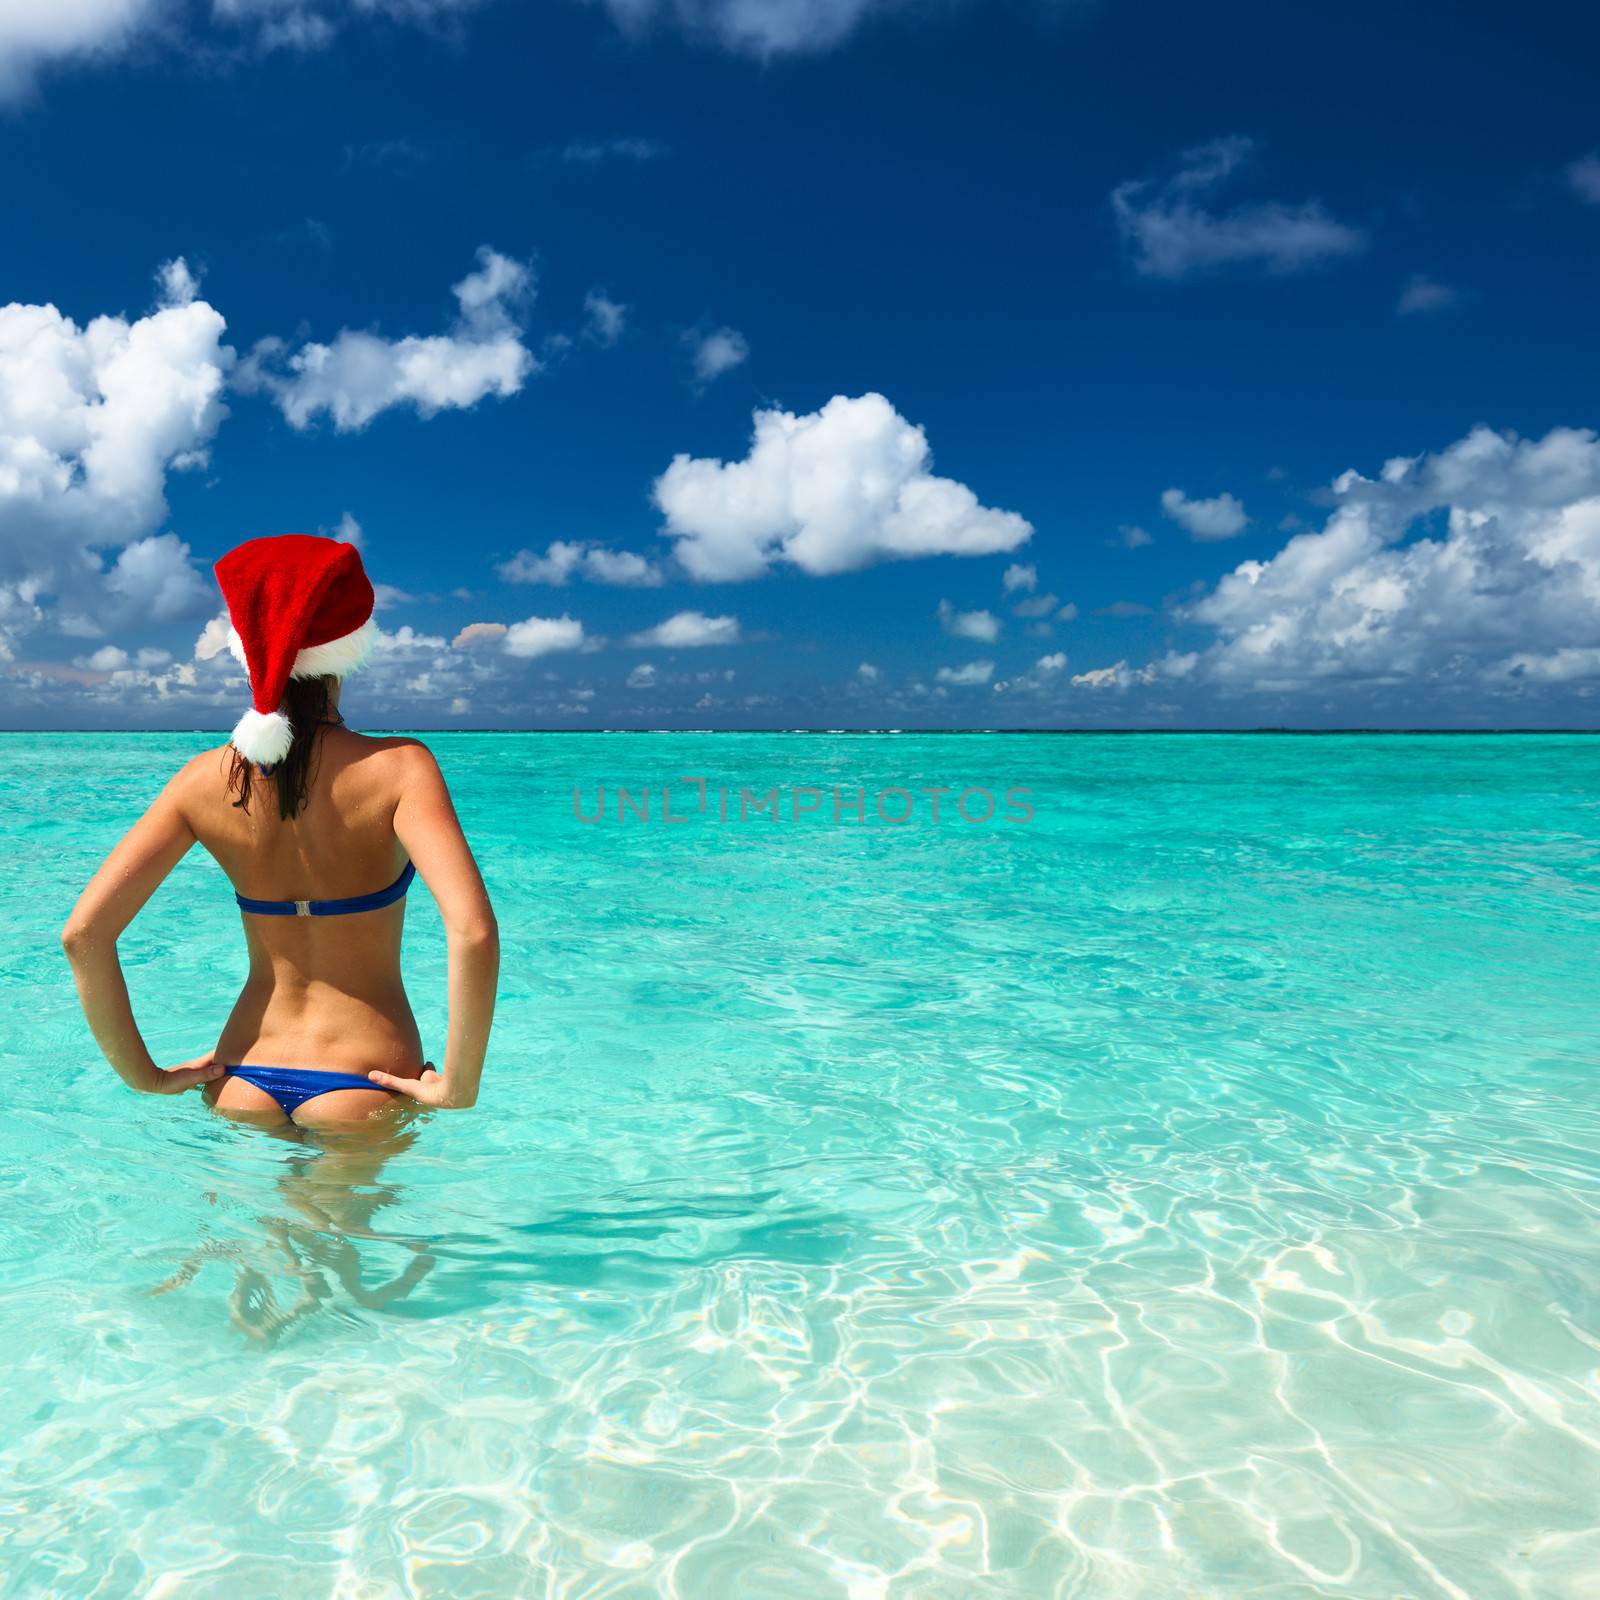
<point x="332" y="908"/>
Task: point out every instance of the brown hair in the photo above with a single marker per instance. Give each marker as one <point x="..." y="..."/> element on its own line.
<point x="306" y="705"/>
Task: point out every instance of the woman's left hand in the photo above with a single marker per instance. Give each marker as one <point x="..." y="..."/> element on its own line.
<point x="187" y="1075"/>
<point x="429" y="1088"/>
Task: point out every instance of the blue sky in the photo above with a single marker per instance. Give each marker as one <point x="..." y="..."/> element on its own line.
<point x="1261" y="340"/>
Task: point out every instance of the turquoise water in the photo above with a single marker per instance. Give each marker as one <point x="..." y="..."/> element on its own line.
<point x="1188" y="1192"/>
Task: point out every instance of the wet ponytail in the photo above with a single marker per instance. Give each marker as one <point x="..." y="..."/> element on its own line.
<point x="307" y="705"/>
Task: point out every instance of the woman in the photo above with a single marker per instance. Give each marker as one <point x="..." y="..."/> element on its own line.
<point x="310" y="822"/>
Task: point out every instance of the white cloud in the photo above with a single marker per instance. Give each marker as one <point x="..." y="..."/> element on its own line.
<point x="543" y="636"/>
<point x="566" y="558"/>
<point x="156" y="582"/>
<point x="1123" y="608"/>
<point x="37" y="33"/>
<point x="981" y="625"/>
<point x="406" y="638"/>
<point x="116" y="679"/>
<point x="975" y="672"/>
<point x="621" y="568"/>
<point x="560" y="560"/>
<point x="643" y="676"/>
<point x="20" y="612"/>
<point x="360" y="374"/>
<point x="1037" y="605"/>
<point x="1119" y="676"/>
<point x="605" y="318"/>
<point x="686" y="629"/>
<point x="398" y="155"/>
<point x="1048" y="673"/>
<point x="1171" y="234"/>
<point x="762" y="29"/>
<point x="409" y="670"/>
<point x="830" y="491"/>
<point x="177" y="284"/>
<point x="590" y="152"/>
<point x="1584" y="177"/>
<point x="868" y="673"/>
<point x="1507" y="587"/>
<point x="1132" y="537"/>
<point x="1219" y="518"/>
<point x="349" y="530"/>
<point x="1042" y="674"/>
<point x="312" y="24"/>
<point x="1423" y="294"/>
<point x="92" y="420"/>
<point x="213" y="640"/>
<point x="1557" y="666"/>
<point x="718" y="352"/>
<point x="1018" y="576"/>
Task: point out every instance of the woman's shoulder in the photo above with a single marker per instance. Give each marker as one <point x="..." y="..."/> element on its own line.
<point x="195" y="785"/>
<point x="387" y="768"/>
<point x="397" y="760"/>
<point x="397" y="749"/>
<point x="201" y="769"/>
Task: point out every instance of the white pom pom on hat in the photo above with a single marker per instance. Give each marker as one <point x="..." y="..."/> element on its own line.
<point x="300" y="606"/>
<point x="263" y="737"/>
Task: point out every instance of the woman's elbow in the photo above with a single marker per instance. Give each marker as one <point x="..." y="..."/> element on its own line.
<point x="477" y="932"/>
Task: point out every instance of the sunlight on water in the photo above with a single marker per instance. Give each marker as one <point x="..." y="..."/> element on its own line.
<point x="1190" y="1192"/>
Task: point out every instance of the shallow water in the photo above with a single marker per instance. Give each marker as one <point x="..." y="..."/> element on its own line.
<point x="1188" y="1192"/>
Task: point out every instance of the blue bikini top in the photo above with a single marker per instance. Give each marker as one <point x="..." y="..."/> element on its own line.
<point x="332" y="908"/>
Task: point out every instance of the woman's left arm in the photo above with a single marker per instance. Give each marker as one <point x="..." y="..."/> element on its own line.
<point x="155" y="844"/>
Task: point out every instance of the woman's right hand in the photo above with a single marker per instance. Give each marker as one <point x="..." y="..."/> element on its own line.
<point x="187" y="1075"/>
<point x="429" y="1090"/>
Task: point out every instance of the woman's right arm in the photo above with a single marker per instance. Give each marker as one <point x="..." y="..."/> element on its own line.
<point x="425" y="823"/>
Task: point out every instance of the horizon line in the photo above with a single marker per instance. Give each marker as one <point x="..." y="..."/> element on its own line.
<point x="1263" y="729"/>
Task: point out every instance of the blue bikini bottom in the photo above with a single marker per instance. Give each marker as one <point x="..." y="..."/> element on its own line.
<point x="291" y="1087"/>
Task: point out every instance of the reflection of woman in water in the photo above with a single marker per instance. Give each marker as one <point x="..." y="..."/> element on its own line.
<point x="322" y="1187"/>
<point x="320" y="831"/>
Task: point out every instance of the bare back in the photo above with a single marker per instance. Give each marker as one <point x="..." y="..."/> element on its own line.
<point x="322" y="992"/>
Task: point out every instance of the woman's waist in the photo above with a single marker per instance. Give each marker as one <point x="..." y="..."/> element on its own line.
<point x="321" y="1027"/>
<point x="289" y="990"/>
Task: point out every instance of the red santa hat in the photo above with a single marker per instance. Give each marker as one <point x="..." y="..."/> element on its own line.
<point x="300" y="607"/>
